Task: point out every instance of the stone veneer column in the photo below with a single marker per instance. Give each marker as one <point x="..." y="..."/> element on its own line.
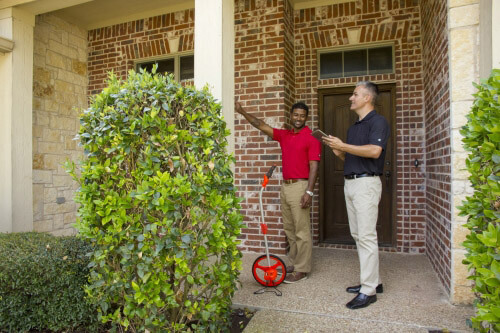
<point x="214" y="54"/>
<point x="16" y="77"/>
<point x="464" y="69"/>
<point x="59" y="96"/>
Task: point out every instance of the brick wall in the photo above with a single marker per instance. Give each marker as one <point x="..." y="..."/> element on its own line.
<point x="59" y="95"/>
<point x="371" y="21"/>
<point x="289" y="35"/>
<point x="264" y="86"/>
<point x="117" y="47"/>
<point x="438" y="147"/>
<point x="323" y="27"/>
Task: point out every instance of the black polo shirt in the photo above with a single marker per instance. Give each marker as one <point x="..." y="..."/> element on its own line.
<point x="373" y="129"/>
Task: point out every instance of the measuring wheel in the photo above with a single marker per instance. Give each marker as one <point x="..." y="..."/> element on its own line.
<point x="269" y="273"/>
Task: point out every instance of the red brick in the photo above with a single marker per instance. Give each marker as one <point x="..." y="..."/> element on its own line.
<point x="131" y="36"/>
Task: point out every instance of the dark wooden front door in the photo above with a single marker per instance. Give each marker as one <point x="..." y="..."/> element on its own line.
<point x="335" y="119"/>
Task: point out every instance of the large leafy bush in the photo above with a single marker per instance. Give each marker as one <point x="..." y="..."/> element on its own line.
<point x="158" y="203"/>
<point x="482" y="141"/>
<point x="42" y="281"/>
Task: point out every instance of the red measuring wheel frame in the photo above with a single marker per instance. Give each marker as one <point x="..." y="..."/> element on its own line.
<point x="268" y="269"/>
<point x="269" y="275"/>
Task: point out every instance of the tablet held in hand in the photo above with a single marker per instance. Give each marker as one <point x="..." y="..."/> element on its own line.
<point x="318" y="134"/>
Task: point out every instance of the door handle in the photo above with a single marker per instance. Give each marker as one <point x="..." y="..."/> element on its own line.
<point x="387" y="175"/>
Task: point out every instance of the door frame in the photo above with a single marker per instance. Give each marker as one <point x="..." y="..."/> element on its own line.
<point x="392" y="123"/>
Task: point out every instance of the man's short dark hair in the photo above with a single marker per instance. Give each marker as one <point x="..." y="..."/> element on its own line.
<point x="300" y="105"/>
<point x="372" y="89"/>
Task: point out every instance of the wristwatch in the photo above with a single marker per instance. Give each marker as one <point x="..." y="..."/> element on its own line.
<point x="310" y="193"/>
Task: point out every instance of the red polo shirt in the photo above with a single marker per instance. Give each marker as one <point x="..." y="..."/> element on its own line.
<point x="297" y="150"/>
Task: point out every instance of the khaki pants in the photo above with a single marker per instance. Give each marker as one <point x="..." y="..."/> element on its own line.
<point x="362" y="196"/>
<point x="296" y="222"/>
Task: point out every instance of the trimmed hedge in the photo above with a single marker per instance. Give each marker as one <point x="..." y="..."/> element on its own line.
<point x="482" y="141"/>
<point x="158" y="202"/>
<point x="42" y="280"/>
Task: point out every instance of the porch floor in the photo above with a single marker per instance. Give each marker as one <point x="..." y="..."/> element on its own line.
<point x="413" y="298"/>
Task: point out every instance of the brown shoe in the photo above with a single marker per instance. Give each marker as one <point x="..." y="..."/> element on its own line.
<point x="289" y="269"/>
<point x="295" y="277"/>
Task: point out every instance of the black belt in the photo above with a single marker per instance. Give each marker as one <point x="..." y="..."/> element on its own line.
<point x="361" y="175"/>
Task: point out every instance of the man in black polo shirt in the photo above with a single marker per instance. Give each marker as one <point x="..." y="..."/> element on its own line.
<point x="363" y="155"/>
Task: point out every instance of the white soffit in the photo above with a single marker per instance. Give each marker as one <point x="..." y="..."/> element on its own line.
<point x="103" y="13"/>
<point x="13" y="3"/>
<point x="92" y="14"/>
<point x="40" y="6"/>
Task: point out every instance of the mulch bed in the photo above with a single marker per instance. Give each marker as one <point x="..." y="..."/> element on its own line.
<point x="240" y="319"/>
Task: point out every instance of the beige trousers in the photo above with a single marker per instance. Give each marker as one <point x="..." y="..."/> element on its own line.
<point x="362" y="196"/>
<point x="296" y="222"/>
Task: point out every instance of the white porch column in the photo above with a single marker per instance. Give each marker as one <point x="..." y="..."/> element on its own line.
<point x="16" y="98"/>
<point x="214" y="54"/>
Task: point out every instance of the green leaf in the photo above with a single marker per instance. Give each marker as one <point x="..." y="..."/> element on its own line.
<point x="186" y="239"/>
<point x="492" y="282"/>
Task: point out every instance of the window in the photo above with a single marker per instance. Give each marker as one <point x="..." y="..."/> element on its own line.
<point x="356" y="62"/>
<point x="182" y="66"/>
<point x="186" y="70"/>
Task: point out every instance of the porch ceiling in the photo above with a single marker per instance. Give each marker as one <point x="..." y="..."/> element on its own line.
<point x="92" y="14"/>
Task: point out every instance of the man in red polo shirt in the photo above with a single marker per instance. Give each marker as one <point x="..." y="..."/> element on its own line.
<point x="301" y="154"/>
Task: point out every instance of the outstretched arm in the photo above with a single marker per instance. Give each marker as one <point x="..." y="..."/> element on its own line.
<point x="255" y="122"/>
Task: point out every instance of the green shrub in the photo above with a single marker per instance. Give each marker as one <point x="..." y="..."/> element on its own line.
<point x="42" y="280"/>
<point x="158" y="202"/>
<point x="482" y="141"/>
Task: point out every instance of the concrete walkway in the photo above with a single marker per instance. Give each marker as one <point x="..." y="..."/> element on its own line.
<point x="413" y="299"/>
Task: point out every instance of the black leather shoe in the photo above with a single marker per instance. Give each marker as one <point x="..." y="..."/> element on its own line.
<point x="356" y="289"/>
<point x="361" y="301"/>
